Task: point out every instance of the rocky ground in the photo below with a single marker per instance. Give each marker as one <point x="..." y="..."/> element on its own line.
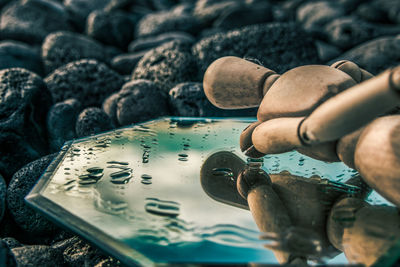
<point x="71" y="68"/>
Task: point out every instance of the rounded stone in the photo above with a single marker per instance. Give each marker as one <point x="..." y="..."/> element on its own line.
<point x="80" y="9"/>
<point x="87" y="80"/>
<point x="61" y="121"/>
<point x="15" y="54"/>
<point x="136" y="102"/>
<point x="20" y="185"/>
<point x="110" y="107"/>
<point x="60" y="48"/>
<point x="209" y="10"/>
<point x="91" y="121"/>
<point x="167" y="65"/>
<point x="31" y="20"/>
<point x="111" y="28"/>
<point x="37" y="255"/>
<point x="279" y="46"/>
<point x="166" y="21"/>
<point x="3" y="191"/>
<point x="126" y="63"/>
<point x="24" y="103"/>
<point x="12" y="242"/>
<point x="314" y="15"/>
<point x="6" y="256"/>
<point x="374" y="56"/>
<point x="347" y="32"/>
<point x="189" y="100"/>
<point x="147" y="43"/>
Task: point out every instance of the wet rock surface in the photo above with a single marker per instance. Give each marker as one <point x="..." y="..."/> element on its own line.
<point x="107" y="63"/>
<point x="61" y="122"/>
<point x="31" y="20"/>
<point x="89" y="81"/>
<point x="91" y="121"/>
<point x="30" y="221"/>
<point x="24" y="103"/>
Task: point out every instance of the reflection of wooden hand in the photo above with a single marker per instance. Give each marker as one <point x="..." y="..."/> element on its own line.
<point x="319" y="111"/>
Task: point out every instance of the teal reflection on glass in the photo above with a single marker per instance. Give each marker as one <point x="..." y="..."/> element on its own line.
<point x="135" y="192"/>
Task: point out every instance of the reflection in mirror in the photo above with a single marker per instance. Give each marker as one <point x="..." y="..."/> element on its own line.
<point x="166" y="191"/>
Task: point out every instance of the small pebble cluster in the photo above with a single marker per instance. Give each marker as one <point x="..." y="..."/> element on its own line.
<point x="72" y="68"/>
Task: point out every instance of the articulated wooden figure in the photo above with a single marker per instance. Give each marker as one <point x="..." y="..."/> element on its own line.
<point x="329" y="113"/>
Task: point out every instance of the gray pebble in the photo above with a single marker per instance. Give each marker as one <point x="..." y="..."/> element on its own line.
<point x="189" y="100"/>
<point x="110" y="107"/>
<point x="381" y="11"/>
<point x="135" y="102"/>
<point x="61" y="122"/>
<point x="80" y="253"/>
<point x="347" y="32"/>
<point x="60" y="48"/>
<point x="243" y="15"/>
<point x="20" y="185"/>
<point x="167" y="65"/>
<point x="37" y="255"/>
<point x="91" y="121"/>
<point x="375" y="56"/>
<point x="80" y="9"/>
<point x="126" y="63"/>
<point x="147" y="43"/>
<point x="15" y="54"/>
<point x="326" y="51"/>
<point x="24" y="103"/>
<point x="279" y="46"/>
<point x="111" y="28"/>
<point x="209" y="10"/>
<point x="89" y="81"/>
<point x="166" y="21"/>
<point x="12" y="242"/>
<point x="314" y="15"/>
<point x="7" y="258"/>
<point x="31" y="20"/>
<point x="3" y="191"/>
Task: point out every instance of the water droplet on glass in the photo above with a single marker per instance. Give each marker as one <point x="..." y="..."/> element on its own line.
<point x="183" y="155"/>
<point x="162" y="207"/>
<point x="87" y="181"/>
<point x="118" y="162"/>
<point x="146" y="176"/>
<point x="183" y="159"/>
<point x="69" y="182"/>
<point x="146" y="182"/>
<point x="120" y="174"/>
<point x="95" y="170"/>
<point x="222" y="172"/>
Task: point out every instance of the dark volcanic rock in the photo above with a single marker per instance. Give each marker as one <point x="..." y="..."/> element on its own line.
<point x="346" y="32"/>
<point x="80" y="253"/>
<point x="37" y="255"/>
<point x="126" y="63"/>
<point x="147" y="43"/>
<point x="314" y="15"/>
<point x="24" y="102"/>
<point x="14" y="54"/>
<point x="91" y="121"/>
<point x="3" y="191"/>
<point x="112" y="28"/>
<point x="12" y="242"/>
<point x="20" y="185"/>
<point x="140" y="100"/>
<point x="279" y="46"/>
<point x="243" y="15"/>
<point x="61" y="121"/>
<point x="110" y="107"/>
<point x="209" y="10"/>
<point x="189" y="100"/>
<point x="382" y="11"/>
<point x="166" y="21"/>
<point x="7" y="258"/>
<point x="80" y="9"/>
<point x="31" y="20"/>
<point x="60" y="48"/>
<point x="326" y="51"/>
<point x="167" y="65"/>
<point x="375" y="56"/>
<point x="89" y="81"/>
